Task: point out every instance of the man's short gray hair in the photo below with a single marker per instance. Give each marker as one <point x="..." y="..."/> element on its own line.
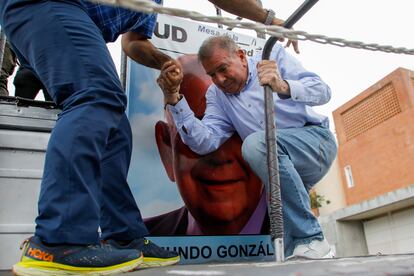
<point x="210" y="44"/>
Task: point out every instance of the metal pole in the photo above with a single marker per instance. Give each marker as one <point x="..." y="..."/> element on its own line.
<point x="275" y="204"/>
<point x="2" y="46"/>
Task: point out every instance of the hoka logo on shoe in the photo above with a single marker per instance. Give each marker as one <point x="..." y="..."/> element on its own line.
<point x="40" y="255"/>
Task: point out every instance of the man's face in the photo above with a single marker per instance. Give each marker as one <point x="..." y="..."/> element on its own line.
<point x="219" y="189"/>
<point x="228" y="70"/>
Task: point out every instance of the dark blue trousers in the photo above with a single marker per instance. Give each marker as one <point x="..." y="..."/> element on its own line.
<point x="84" y="182"/>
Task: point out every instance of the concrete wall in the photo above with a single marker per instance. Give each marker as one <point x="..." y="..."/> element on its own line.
<point x="331" y="188"/>
<point x="347" y="237"/>
<point x="344" y="228"/>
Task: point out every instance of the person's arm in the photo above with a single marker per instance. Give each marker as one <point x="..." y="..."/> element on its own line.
<point x="202" y="136"/>
<point x="140" y="49"/>
<point x="250" y="9"/>
<point x="304" y="86"/>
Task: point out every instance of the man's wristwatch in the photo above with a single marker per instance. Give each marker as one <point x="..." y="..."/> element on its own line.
<point x="270" y="16"/>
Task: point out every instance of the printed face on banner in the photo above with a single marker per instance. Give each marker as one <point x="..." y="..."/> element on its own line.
<point x="214" y="194"/>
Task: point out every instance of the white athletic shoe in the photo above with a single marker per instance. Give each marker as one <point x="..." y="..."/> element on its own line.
<point x="316" y="249"/>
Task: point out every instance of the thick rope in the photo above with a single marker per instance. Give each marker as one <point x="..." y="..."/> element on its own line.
<point x="151" y="7"/>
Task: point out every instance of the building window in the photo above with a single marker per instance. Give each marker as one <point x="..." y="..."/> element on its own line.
<point x="348" y="176"/>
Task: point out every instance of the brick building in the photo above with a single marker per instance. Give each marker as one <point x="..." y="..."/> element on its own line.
<point x="375" y="133"/>
<point x="375" y="167"/>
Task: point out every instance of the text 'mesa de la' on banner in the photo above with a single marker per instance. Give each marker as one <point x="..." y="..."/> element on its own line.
<point x="208" y="208"/>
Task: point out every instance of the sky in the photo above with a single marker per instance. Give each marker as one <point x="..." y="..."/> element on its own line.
<point x="347" y="71"/>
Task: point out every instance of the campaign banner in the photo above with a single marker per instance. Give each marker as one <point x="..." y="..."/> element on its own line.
<point x="208" y="208"/>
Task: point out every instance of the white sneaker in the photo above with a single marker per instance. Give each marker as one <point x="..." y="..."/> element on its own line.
<point x="316" y="249"/>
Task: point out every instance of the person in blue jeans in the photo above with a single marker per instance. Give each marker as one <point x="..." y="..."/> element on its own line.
<point x="235" y="103"/>
<point x="84" y="184"/>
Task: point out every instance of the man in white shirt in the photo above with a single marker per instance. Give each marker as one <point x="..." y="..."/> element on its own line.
<point x="234" y="103"/>
<point x="222" y="195"/>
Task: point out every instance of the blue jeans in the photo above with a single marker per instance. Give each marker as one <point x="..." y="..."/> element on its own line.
<point x="305" y="155"/>
<point x="84" y="181"/>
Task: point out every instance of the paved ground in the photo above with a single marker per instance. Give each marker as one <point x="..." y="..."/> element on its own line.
<point x="366" y="266"/>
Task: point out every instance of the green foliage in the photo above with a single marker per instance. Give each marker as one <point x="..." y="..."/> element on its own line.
<point x="317" y="200"/>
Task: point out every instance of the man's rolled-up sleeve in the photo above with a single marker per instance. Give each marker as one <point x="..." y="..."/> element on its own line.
<point x="200" y="135"/>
